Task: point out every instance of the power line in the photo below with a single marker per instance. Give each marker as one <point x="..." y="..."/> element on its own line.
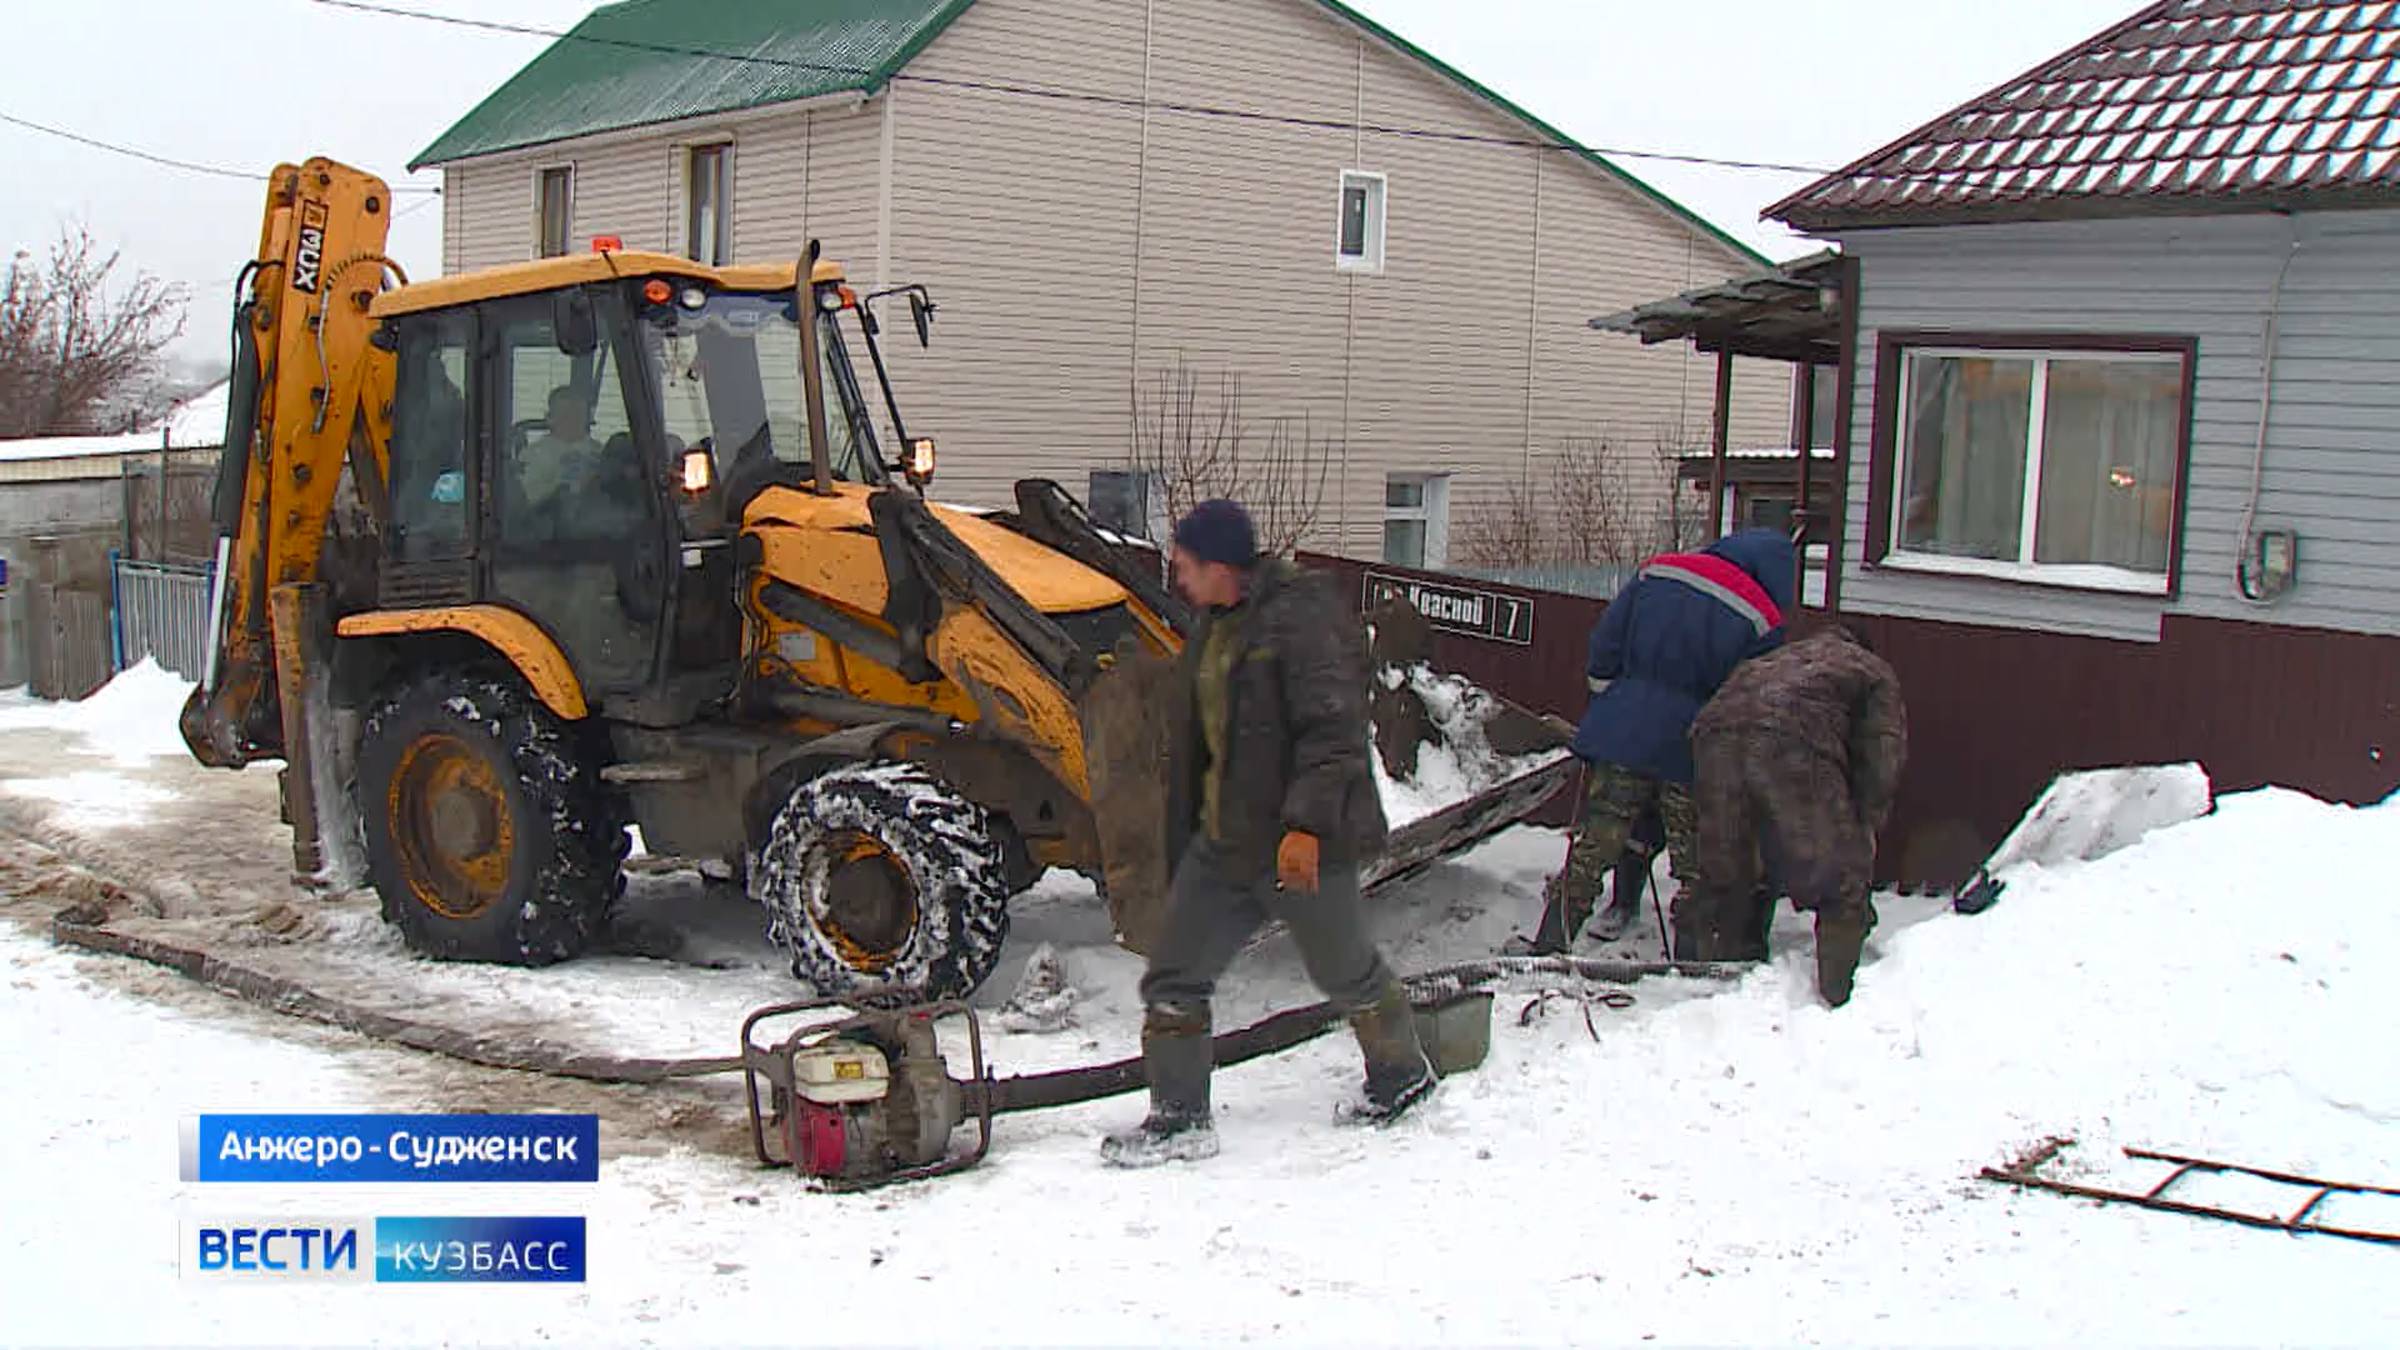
<point x="1071" y="95"/>
<point x="131" y="152"/>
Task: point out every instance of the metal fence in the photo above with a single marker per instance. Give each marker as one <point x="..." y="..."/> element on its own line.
<point x="162" y="613"/>
<point x="1597" y="581"/>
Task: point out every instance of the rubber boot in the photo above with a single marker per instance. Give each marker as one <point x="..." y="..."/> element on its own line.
<point x="1562" y="922"/>
<point x="1747" y="938"/>
<point x="1177" y="1056"/>
<point x="1399" y="1074"/>
<point x="1841" y="939"/>
<point x="1626" y="887"/>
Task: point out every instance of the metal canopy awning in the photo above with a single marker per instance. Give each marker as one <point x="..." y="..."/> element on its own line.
<point x="1792" y="312"/>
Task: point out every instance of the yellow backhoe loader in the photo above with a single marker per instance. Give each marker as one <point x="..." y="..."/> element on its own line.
<point x="510" y="560"/>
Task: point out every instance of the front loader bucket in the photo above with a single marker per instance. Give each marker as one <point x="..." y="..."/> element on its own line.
<point x="1127" y="715"/>
<point x="1463" y="825"/>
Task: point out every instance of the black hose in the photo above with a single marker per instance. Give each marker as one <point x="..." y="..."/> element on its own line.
<point x="85" y="927"/>
<point x="1286" y="1030"/>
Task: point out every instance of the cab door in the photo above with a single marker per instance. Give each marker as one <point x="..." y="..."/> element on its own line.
<point x="574" y="533"/>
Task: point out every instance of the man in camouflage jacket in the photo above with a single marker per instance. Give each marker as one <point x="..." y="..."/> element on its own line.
<point x="1798" y="758"/>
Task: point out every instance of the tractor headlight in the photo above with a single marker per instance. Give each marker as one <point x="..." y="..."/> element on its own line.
<point x="920" y="459"/>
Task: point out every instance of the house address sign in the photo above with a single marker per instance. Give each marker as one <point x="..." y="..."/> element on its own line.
<point x="1459" y="609"/>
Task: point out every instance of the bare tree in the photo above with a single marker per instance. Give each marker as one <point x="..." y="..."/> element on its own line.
<point x="1193" y="441"/>
<point x="1585" y="510"/>
<point x="78" y="354"/>
<point x="1683" y="521"/>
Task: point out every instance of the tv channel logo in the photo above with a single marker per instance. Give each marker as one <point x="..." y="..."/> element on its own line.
<point x="435" y="1249"/>
<point x="279" y="1248"/>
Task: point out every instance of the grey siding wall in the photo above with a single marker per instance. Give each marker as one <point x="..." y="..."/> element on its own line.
<point x="2333" y="439"/>
<point x="1080" y="250"/>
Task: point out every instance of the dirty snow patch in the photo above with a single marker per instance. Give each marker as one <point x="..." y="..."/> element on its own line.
<point x="1459" y="761"/>
<point x="1045" y="999"/>
<point x="92" y="801"/>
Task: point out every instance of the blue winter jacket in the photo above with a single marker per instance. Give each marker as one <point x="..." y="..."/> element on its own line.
<point x="1671" y="637"/>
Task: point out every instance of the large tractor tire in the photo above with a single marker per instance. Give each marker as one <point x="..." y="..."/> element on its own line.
<point x="490" y="836"/>
<point x="886" y="886"/>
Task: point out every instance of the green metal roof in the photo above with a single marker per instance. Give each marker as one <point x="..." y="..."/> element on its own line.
<point x="643" y="62"/>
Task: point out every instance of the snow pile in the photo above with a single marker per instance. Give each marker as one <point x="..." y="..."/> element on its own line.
<point x="2091" y="814"/>
<point x="131" y="719"/>
<point x="1458" y="761"/>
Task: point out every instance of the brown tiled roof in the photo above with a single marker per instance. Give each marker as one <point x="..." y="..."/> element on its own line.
<point x="2189" y="105"/>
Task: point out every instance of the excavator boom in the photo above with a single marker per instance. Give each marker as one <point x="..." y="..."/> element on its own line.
<point x="309" y="391"/>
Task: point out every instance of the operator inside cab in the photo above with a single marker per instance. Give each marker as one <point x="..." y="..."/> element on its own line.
<point x="565" y="452"/>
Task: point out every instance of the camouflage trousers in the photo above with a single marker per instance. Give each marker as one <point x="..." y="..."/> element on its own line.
<point x="1622" y="811"/>
<point x="1775" y="818"/>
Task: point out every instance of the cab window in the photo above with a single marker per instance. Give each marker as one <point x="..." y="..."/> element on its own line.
<point x="429" y="475"/>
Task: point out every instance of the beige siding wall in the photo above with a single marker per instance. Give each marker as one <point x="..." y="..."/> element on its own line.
<point x="1463" y="356"/>
<point x="791" y="170"/>
<point x="1080" y="251"/>
<point x="1019" y="214"/>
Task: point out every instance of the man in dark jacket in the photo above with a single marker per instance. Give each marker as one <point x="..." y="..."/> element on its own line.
<point x="1663" y="646"/>
<point x="1271" y="810"/>
<point x="1798" y="757"/>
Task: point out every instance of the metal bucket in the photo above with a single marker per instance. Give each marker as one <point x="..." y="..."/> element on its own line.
<point x="1457" y="1031"/>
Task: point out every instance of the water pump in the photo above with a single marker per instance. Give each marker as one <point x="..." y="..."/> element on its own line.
<point x="864" y="1099"/>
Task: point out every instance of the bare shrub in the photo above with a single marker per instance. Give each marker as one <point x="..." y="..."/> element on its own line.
<point x="1193" y="441"/>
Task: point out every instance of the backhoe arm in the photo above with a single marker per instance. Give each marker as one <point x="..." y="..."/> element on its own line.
<point x="309" y="388"/>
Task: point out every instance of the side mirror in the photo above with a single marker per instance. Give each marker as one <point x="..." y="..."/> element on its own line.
<point x="571" y="318"/>
<point x="920" y="312"/>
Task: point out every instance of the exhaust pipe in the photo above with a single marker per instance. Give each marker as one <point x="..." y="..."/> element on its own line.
<point x="812" y="369"/>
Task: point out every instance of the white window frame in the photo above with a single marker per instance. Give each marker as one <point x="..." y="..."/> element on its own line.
<point x="541" y="174"/>
<point x="1432" y="510"/>
<point x="1379" y="196"/>
<point x="2070" y="576"/>
<point x="687" y="154"/>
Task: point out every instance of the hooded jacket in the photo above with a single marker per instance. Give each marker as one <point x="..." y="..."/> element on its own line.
<point x="1671" y="637"/>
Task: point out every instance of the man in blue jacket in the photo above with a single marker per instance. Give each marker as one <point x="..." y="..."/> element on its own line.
<point x="1666" y="642"/>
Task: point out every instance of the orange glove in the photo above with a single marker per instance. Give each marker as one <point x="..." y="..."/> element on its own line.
<point x="1296" y="861"/>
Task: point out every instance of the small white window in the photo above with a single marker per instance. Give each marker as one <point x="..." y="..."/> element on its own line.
<point x="555" y="211"/>
<point x="708" y="193"/>
<point x="1416" y="519"/>
<point x="1359" y="245"/>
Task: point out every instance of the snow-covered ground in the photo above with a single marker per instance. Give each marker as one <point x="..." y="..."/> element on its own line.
<point x="1715" y="1165"/>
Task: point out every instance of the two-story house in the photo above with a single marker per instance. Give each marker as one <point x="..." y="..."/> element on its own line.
<point x="1147" y="223"/>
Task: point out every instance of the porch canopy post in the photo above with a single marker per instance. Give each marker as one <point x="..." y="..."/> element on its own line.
<point x="1804" y="429"/>
<point x="1794" y="312"/>
<point x="1724" y="433"/>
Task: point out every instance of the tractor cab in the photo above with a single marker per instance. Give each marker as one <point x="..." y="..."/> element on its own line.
<point x="574" y="439"/>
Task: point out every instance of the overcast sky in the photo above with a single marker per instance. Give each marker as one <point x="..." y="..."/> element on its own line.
<point x="248" y="83"/>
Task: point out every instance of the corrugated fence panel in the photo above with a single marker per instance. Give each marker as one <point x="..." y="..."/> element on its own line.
<point x="162" y="613"/>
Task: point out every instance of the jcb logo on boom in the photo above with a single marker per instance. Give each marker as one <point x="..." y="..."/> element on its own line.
<point x="308" y="265"/>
